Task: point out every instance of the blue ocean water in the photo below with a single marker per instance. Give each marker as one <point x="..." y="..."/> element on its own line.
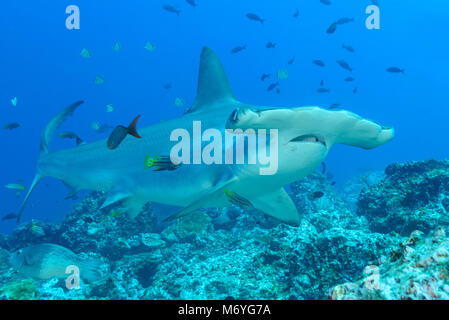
<point x="41" y="66"/>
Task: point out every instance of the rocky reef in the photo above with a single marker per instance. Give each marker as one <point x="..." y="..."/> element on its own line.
<point x="354" y="242"/>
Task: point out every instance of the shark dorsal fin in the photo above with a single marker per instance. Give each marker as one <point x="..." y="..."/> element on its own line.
<point x="213" y="85"/>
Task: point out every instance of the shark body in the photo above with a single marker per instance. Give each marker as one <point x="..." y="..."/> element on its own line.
<point x="306" y="134"/>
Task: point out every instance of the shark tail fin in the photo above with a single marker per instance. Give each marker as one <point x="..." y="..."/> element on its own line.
<point x="48" y="133"/>
<point x="36" y="181"/>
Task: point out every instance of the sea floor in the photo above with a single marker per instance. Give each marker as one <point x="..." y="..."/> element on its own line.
<point x="383" y="235"/>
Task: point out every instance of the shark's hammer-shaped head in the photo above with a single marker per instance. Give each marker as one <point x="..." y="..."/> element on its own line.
<point x="306" y="134"/>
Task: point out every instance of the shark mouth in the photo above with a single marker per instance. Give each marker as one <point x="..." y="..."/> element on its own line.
<point x="309" y="138"/>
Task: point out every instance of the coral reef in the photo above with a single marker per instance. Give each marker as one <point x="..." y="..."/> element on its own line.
<point x="417" y="269"/>
<point x="337" y="251"/>
<point x="413" y="196"/>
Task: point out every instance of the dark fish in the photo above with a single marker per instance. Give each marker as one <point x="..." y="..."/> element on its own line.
<point x="71" y="135"/>
<point x="167" y="86"/>
<point x="291" y="61"/>
<point x="323" y="90"/>
<point x="272" y="86"/>
<point x="395" y="70"/>
<point x="344" y="65"/>
<point x="9" y="216"/>
<point x="344" y="20"/>
<point x="349" y="48"/>
<point x="323" y="167"/>
<point x="120" y="133"/>
<point x="238" y="49"/>
<point x="332" y="28"/>
<point x="278" y="91"/>
<point x="254" y="17"/>
<point x="355" y="90"/>
<point x="326" y="2"/>
<point x="170" y="8"/>
<point x="333" y="183"/>
<point x="349" y="79"/>
<point x="316" y="195"/>
<point x="270" y="45"/>
<point x="296" y="14"/>
<point x="319" y="63"/>
<point x="334" y="106"/>
<point x="264" y="76"/>
<point x="322" y="83"/>
<point x="191" y="2"/>
<point x="11" y="126"/>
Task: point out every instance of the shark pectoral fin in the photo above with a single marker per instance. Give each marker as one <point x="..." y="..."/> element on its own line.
<point x="217" y="191"/>
<point x="279" y="205"/>
<point x="114" y="196"/>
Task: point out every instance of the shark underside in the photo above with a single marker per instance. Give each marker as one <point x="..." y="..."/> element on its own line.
<point x="305" y="135"/>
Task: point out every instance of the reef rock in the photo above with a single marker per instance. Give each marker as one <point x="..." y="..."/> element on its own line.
<point x="413" y="196"/>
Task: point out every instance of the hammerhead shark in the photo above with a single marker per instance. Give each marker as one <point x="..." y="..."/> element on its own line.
<point x="305" y="136"/>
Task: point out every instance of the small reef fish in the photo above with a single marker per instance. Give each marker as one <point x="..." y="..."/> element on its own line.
<point x="319" y="63"/>
<point x="71" y="135"/>
<point x="315" y="195"/>
<point x="9" y="216"/>
<point x="296" y="14"/>
<point x="282" y="74"/>
<point x="167" y="86"/>
<point x="254" y="17"/>
<point x="191" y="2"/>
<point x="323" y="90"/>
<point x="395" y="70"/>
<point x="334" y="106"/>
<point x="238" y="49"/>
<point x="272" y="86"/>
<point x="45" y="261"/>
<point x="14" y="101"/>
<point x="349" y="79"/>
<point x="270" y="45"/>
<point x="149" y="46"/>
<point x="11" y="126"/>
<point x="332" y="28"/>
<point x="326" y="2"/>
<point x="100" y="128"/>
<point x="109" y="108"/>
<point x="237" y="200"/>
<point x="117" y="46"/>
<point x="278" y="91"/>
<point x="160" y="163"/>
<point x="344" y="20"/>
<point x="99" y="80"/>
<point x="120" y="133"/>
<point x="264" y="76"/>
<point x="355" y="90"/>
<point x="348" y="48"/>
<point x="179" y="102"/>
<point x="321" y="83"/>
<point x="323" y="167"/>
<point x="291" y="61"/>
<point x="15" y="186"/>
<point x="170" y="8"/>
<point x="85" y="53"/>
<point x="344" y="65"/>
